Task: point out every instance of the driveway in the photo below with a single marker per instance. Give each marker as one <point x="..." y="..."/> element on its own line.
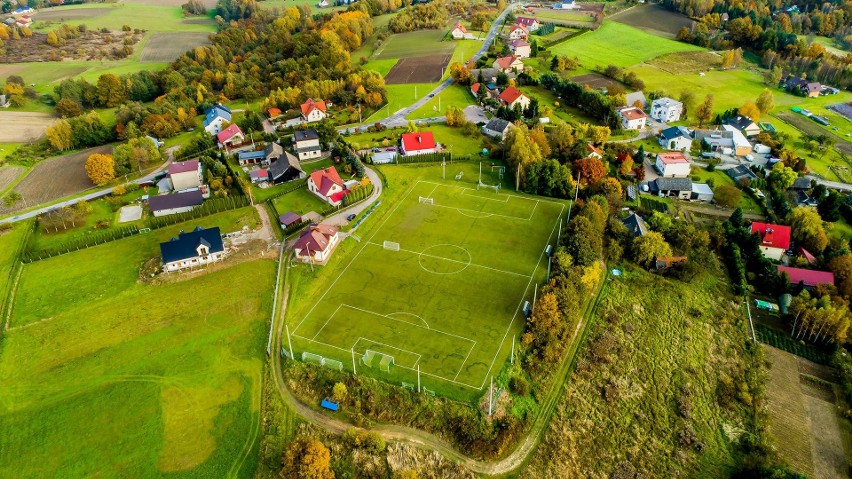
<point x="339" y="218"/>
<point x="475" y="114"/>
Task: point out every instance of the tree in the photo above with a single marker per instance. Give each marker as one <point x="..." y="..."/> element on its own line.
<point x="136" y="154"/>
<point x="765" y="101"/>
<point x="750" y="110"/>
<point x="728" y="59"/>
<point x="590" y="169"/>
<point x="306" y="458"/>
<point x="100" y="168"/>
<point x="727" y="196"/>
<point x="807" y="229"/>
<point x="611" y="189"/>
<point x="841" y="266"/>
<point x="598" y="134"/>
<point x="339" y="392"/>
<point x="110" y="90"/>
<point x="782" y="177"/>
<point x="68" y="108"/>
<point x="52" y="39"/>
<point x="582" y="242"/>
<point x="687" y="98"/>
<point x="773" y="77"/>
<point x="60" y="136"/>
<point x="11" y="198"/>
<point x="647" y="248"/>
<point x="829" y="206"/>
<point x="460" y="73"/>
<point x="455" y="116"/>
<point x="704" y="111"/>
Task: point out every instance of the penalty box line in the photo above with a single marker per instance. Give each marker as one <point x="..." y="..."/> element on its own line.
<point x="508" y="194"/>
<point x="419" y="356"/>
<point x="524" y="295"/>
<point x="456" y="261"/>
<point x="479" y="212"/>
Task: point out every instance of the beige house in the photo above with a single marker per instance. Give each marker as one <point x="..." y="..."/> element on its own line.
<point x="316" y="243"/>
<point x="185" y="175"/>
<point x="508" y="64"/>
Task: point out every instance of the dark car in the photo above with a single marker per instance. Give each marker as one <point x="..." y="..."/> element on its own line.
<point x="350" y="217"/>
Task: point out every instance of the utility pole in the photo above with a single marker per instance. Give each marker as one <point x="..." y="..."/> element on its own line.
<point x="359" y="113"/>
<point x="418" y="378"/>
<point x="444" y="169"/>
<point x="491" y="396"/>
<point x="290" y="344"/>
<point x="512" y="357"/>
<point x="518" y="178"/>
<point x="352" y="350"/>
<point x="535" y="295"/>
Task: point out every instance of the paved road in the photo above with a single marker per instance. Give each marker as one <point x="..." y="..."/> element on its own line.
<point x="339" y="219"/>
<point x="89" y="196"/>
<point x="832" y="184"/>
<point x="397" y="119"/>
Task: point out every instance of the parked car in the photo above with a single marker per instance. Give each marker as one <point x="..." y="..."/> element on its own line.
<point x="350" y="217"/>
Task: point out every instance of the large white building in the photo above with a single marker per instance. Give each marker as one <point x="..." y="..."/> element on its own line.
<point x="672" y="165"/>
<point x="666" y="110"/>
<point x="632" y="118"/>
<point x="196" y="248"/>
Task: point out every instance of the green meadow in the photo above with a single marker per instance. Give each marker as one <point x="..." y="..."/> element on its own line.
<point x="121" y="378"/>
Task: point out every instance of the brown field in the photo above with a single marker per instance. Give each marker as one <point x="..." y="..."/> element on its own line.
<point x="61" y="15"/>
<point x="6" y="70"/>
<point x="165" y="47"/>
<point x="595" y="81"/>
<point x="803" y="417"/>
<point x="418" y="69"/>
<point x="8" y="174"/>
<point x="21" y="127"/>
<point x="653" y="19"/>
<point x="53" y="179"/>
<point x="174" y="3"/>
<point x="198" y="21"/>
<point x="687" y="62"/>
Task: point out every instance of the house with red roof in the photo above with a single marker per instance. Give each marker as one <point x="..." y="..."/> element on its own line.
<point x="775" y="239"/>
<point x="512" y="96"/>
<point x="508" y="64"/>
<point x="529" y="23"/>
<point x="419" y="143"/>
<point x="518" y="32"/>
<point x="594" y="152"/>
<point x="632" y="118"/>
<point x="313" y="110"/>
<point x="230" y="136"/>
<point x="672" y="165"/>
<point x="808" y="277"/>
<point x="327" y="185"/>
<point x="274" y="113"/>
<point x="316" y="243"/>
<point x="458" y="32"/>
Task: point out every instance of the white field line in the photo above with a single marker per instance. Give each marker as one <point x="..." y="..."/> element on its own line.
<point x="409" y="323"/>
<point x="354" y="257"/>
<point x="465" y="193"/>
<point x="326" y="321"/>
<point x="513" y="195"/>
<point x="457" y="261"/>
<point x="387" y="345"/>
<point x="465" y="361"/>
<point x="521" y="302"/>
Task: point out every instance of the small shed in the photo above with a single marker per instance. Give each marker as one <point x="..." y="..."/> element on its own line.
<point x="384" y="157"/>
<point x="331" y="406"/>
<point x="702" y="192"/>
<point x="289" y="219"/>
<point x="766" y="306"/>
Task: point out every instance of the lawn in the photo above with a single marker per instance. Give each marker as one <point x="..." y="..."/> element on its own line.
<point x="747" y="203"/>
<point x="413" y="44"/>
<point x="547" y="15"/>
<point x="455" y="95"/>
<point x="137" y="379"/>
<point x="450" y="137"/>
<point x="300" y="202"/>
<point x="136" y="14"/>
<point x="446" y="301"/>
<point x="401" y="96"/>
<point x="647" y="384"/>
<point x="609" y="45"/>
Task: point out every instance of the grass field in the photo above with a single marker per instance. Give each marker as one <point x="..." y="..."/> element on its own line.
<point x="455" y="95"/>
<point x="127" y="379"/>
<point x="547" y="15"/>
<point x="447" y="300"/>
<point x="300" y="202"/>
<point x="167" y="46"/>
<point x="413" y="44"/>
<point x="654" y="18"/>
<point x="134" y="13"/>
<point x="607" y="46"/>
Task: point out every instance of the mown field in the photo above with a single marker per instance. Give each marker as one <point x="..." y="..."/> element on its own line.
<point x="134" y="13"/>
<point x="650" y="17"/>
<point x="127" y="379"/>
<point x="167" y="46"/>
<point x="647" y="393"/>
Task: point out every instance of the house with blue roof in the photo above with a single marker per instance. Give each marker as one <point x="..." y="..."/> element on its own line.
<point x="215" y="117"/>
<point x="198" y="247"/>
<point x="676" y="138"/>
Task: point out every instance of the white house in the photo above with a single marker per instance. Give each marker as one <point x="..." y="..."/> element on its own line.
<point x="742" y="147"/>
<point x="458" y="32"/>
<point x="672" y="165"/>
<point x="520" y="48"/>
<point x="313" y="110"/>
<point x="327" y="185"/>
<point x="214" y="117"/>
<point x="418" y="143"/>
<point x="508" y="64"/>
<point x="185" y="175"/>
<point x="665" y="109"/>
<point x="198" y="247"/>
<point x="512" y="96"/>
<point x="675" y="138"/>
<point x="497" y="127"/>
<point x="531" y="24"/>
<point x="230" y="136"/>
<point x="307" y="145"/>
<point x="518" y="32"/>
<point x="632" y="118"/>
<point x="316" y="243"/>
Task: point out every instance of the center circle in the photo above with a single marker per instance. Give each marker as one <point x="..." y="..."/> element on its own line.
<point x="444" y="259"/>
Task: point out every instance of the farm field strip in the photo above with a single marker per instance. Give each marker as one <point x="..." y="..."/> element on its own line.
<point x="23" y="127"/>
<point x="8" y="175"/>
<point x="167" y="46"/>
<point x="444" y="332"/>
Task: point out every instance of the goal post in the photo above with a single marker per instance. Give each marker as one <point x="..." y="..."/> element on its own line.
<point x="385" y="360"/>
<point x="390" y="245"/>
<point x="426" y="200"/>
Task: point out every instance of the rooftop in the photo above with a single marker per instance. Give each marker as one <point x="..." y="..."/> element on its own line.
<point x="772" y="236"/>
<point x="809" y="277"/>
<point x="185" y="245"/>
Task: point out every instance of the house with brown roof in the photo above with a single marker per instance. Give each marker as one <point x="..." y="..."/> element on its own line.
<point x="327" y="185"/>
<point x="520" y="48"/>
<point x="508" y="64"/>
<point x="313" y="110"/>
<point x="632" y="118"/>
<point x="185" y="175"/>
<point x="512" y="96"/>
<point x="316" y="243"/>
<point x="518" y="32"/>
<point x="530" y="23"/>
<point x="593" y="151"/>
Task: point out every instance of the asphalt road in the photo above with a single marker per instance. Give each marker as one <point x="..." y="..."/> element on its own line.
<point x="88" y="196"/>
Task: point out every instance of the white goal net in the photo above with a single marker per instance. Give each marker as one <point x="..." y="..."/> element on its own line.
<point x="496" y="187"/>
<point x="385" y="360"/>
<point x="427" y="200"/>
<point x="390" y="245"/>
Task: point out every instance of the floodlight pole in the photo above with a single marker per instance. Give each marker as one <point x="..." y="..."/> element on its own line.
<point x="418" y="378"/>
<point x="354" y="371"/>
<point x="491" y="396"/>
<point x="512" y="354"/>
<point x="444" y="169"/>
<point x="535" y="295"/>
<point x="289" y="343"/>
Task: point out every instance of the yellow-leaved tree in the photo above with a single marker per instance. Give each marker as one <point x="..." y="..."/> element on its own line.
<point x="100" y="168"/>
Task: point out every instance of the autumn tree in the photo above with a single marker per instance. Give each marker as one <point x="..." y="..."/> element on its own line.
<point x="339" y="392"/>
<point x="842" y="268"/>
<point x="611" y="189"/>
<point x="68" y="108"/>
<point x="750" y="110"/>
<point x="704" y="111"/>
<point x="649" y="247"/>
<point x="765" y="101"/>
<point x="546" y="329"/>
<point x="590" y="170"/>
<point x="455" y="116"/>
<point x="460" y="74"/>
<point x="807" y="229"/>
<point x="111" y="92"/>
<point x="598" y="134"/>
<point x="60" y="136"/>
<point x="100" y="168"/>
<point x="521" y="151"/>
<point x="727" y="196"/>
<point x="306" y="458"/>
<point x="782" y="177"/>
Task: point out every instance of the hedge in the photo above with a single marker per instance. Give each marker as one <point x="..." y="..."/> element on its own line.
<point x="783" y="341"/>
<point x="81" y="243"/>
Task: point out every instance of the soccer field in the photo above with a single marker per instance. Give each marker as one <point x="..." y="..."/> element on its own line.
<point x="440" y="286"/>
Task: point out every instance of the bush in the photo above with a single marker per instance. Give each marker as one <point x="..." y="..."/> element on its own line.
<point x="519" y="386"/>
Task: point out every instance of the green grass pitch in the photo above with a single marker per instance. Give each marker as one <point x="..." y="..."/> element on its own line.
<point x="447" y="300"/>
